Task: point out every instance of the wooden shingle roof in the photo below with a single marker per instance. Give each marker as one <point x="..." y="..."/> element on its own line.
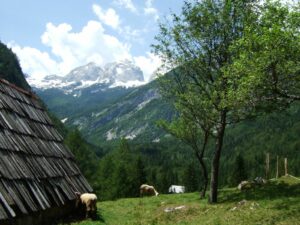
<point x="36" y="170"/>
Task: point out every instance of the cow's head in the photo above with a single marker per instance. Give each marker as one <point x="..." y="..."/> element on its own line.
<point x="77" y="194"/>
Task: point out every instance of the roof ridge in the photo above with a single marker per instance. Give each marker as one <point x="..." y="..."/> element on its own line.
<point x="28" y="93"/>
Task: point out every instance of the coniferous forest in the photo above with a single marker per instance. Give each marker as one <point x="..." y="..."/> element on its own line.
<point x="10" y="68"/>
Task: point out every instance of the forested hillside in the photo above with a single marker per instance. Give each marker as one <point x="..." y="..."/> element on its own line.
<point x="276" y="133"/>
<point x="10" y="68"/>
<point x="172" y="162"/>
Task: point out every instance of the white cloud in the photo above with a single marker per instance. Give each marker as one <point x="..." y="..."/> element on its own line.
<point x="71" y="49"/>
<point x="109" y="17"/>
<point x="133" y="35"/>
<point x="148" y="64"/>
<point x="127" y="4"/>
<point x="34" y="62"/>
<point x="150" y="10"/>
<point x="91" y="44"/>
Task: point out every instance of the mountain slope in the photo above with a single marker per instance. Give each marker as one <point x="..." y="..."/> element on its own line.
<point x="133" y="116"/>
<point x="80" y="102"/>
<point x="105" y="114"/>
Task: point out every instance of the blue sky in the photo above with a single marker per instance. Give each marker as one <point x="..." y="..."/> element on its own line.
<point x="54" y="36"/>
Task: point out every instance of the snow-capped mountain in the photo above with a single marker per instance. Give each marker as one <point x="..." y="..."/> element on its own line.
<point x="94" y="100"/>
<point x="123" y="73"/>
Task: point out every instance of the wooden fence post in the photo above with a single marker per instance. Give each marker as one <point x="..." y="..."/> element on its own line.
<point x="277" y="168"/>
<point x="285" y="167"/>
<point x="267" y="165"/>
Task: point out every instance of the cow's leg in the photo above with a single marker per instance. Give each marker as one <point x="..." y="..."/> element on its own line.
<point x="88" y="208"/>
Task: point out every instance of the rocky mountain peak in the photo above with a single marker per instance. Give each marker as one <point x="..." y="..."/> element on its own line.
<point x="122" y="73"/>
<point x="88" y="72"/>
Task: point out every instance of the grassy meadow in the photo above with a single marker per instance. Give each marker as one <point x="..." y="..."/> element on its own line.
<point x="278" y="202"/>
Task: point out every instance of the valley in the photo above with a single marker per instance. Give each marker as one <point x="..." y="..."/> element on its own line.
<point x="103" y="112"/>
<point x="104" y="115"/>
<point x="104" y="103"/>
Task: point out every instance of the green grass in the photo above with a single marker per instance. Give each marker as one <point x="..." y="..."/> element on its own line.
<point x="275" y="203"/>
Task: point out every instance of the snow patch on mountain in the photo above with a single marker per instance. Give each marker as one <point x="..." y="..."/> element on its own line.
<point x="111" y="134"/>
<point x="64" y="120"/>
<point x="47" y="83"/>
<point x="85" y="84"/>
<point x="130" y="136"/>
<point x="156" y="140"/>
<point x="133" y="133"/>
<point x="143" y="104"/>
<point x="127" y="84"/>
<point x="77" y="94"/>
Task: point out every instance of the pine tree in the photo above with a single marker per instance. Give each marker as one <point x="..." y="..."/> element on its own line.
<point x="239" y="171"/>
<point x="85" y="157"/>
<point x="121" y="184"/>
<point x="140" y="171"/>
<point x="190" y="179"/>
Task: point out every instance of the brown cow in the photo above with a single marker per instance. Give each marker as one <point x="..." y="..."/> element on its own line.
<point x="146" y="189"/>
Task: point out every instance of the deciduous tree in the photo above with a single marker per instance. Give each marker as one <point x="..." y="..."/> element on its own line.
<point x="197" y="43"/>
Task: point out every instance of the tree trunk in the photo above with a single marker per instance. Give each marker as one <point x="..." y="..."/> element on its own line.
<point x="216" y="159"/>
<point x="267" y="165"/>
<point x="205" y="175"/>
<point x="199" y="156"/>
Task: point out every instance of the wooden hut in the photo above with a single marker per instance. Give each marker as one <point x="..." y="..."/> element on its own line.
<point x="38" y="174"/>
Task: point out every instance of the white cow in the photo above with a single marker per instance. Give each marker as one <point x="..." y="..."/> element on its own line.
<point x="176" y="189"/>
<point x="88" y="202"/>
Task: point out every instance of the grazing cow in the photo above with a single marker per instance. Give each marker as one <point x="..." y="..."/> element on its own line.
<point x="176" y="189"/>
<point x="146" y="189"/>
<point x="244" y="185"/>
<point x="259" y="181"/>
<point x="88" y="202"/>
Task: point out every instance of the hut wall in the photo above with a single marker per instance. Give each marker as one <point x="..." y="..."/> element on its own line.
<point x="45" y="217"/>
